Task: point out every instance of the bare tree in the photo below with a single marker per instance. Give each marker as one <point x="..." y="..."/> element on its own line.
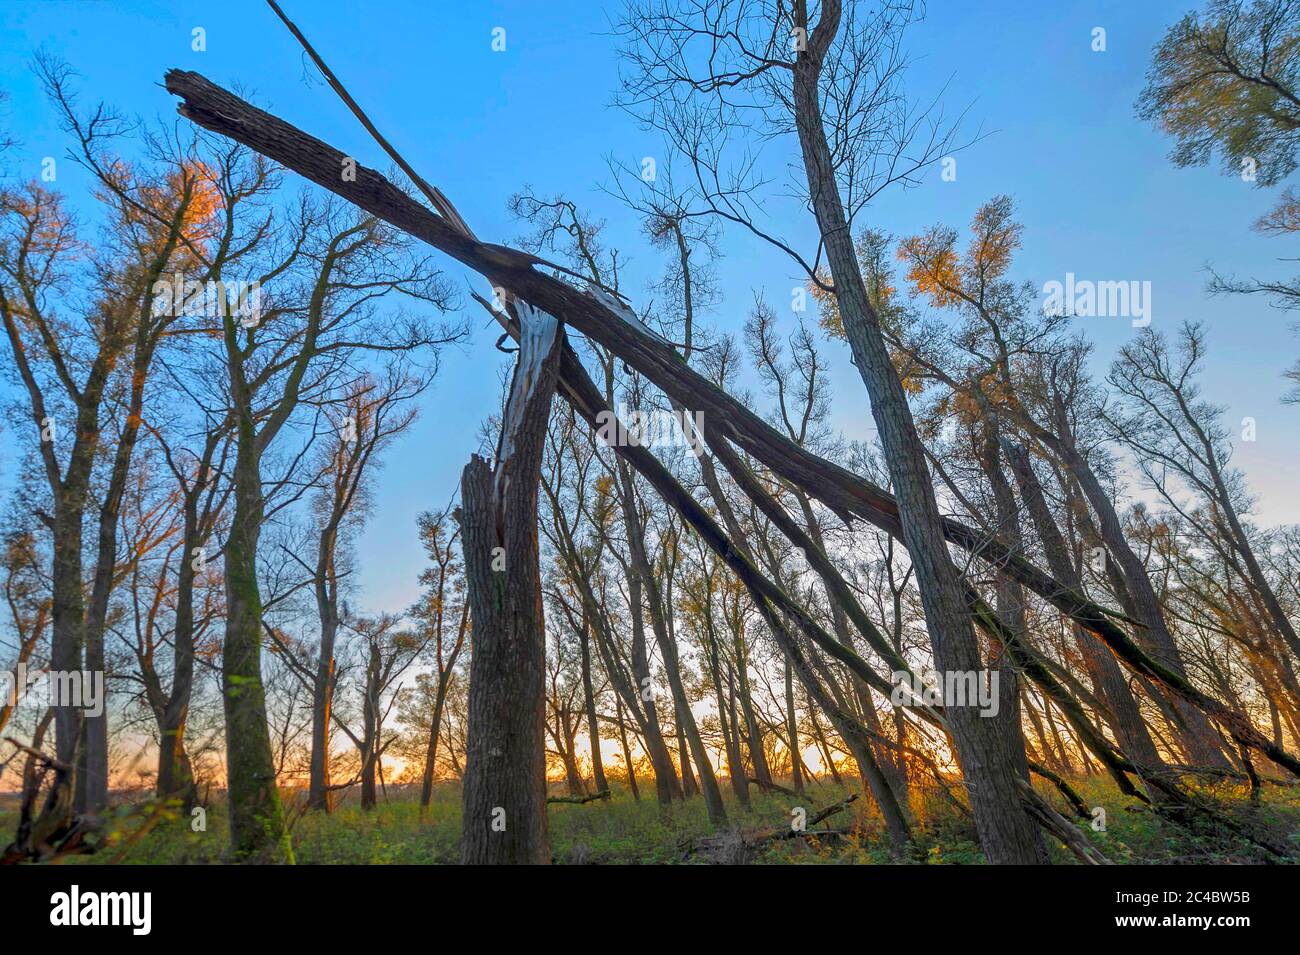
<point x="442" y="614"/>
<point x="374" y="410"/>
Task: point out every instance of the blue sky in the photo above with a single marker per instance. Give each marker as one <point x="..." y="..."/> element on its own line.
<point x="1092" y="183"/>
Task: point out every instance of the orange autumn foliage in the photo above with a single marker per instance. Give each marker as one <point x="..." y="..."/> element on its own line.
<point x="933" y="267"/>
<point x="937" y="273"/>
<point x="192" y="188"/>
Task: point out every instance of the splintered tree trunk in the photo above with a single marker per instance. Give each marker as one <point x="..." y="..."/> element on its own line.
<point x="504" y="818"/>
<point x="613" y="326"/>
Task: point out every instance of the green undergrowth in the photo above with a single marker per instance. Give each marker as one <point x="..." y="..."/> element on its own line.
<point x="623" y="830"/>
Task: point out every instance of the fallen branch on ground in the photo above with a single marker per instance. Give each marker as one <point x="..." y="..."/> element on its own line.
<point x="579" y="800"/>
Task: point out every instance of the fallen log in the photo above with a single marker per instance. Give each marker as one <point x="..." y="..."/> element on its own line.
<point x="740" y="843"/>
<point x="1064" y="830"/>
<point x="579" y="800"/>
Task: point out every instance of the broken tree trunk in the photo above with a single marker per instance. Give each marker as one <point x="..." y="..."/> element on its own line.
<point x="613" y="325"/>
<point x="505" y="762"/>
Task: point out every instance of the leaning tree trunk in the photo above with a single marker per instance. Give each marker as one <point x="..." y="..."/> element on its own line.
<point x="672" y="668"/>
<point x="589" y="707"/>
<point x="986" y="748"/>
<point x="1108" y="679"/>
<point x="431" y="752"/>
<point x="504" y="818"/>
<point x="667" y="786"/>
<point x="1194" y="728"/>
<point x="1009" y="595"/>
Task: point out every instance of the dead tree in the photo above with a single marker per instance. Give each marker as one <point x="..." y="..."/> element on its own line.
<point x="373" y="413"/>
<point x="504" y="817"/>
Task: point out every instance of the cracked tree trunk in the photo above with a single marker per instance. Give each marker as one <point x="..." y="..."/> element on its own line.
<point x="505" y="762"/>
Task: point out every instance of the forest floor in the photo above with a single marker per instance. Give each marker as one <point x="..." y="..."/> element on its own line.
<point x="622" y="830"/>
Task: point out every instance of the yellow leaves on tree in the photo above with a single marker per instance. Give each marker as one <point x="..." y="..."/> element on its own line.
<point x="828" y="308"/>
<point x="940" y="275"/>
<point x="967" y="408"/>
<point x="932" y="266"/>
<point x="872" y="259"/>
<point x="873" y="263"/>
<point x="604" y="509"/>
<point x="997" y="236"/>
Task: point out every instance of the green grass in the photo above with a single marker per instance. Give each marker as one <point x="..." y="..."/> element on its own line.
<point x="624" y="831"/>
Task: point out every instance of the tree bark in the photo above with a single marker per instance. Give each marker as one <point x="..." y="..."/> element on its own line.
<point x="257" y="826"/>
<point x="1107" y="678"/>
<point x="504" y="811"/>
<point x="985" y="748"/>
<point x="1194" y="729"/>
<point x="318" y="786"/>
<point x="792" y="730"/>
<point x="589" y="706"/>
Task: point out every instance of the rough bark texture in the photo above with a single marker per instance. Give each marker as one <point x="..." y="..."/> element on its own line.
<point x="1195" y="731"/>
<point x="257" y="827"/>
<point x="589" y="707"/>
<point x="1107" y="678"/>
<point x="505" y="765"/>
<point x="986" y="748"/>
